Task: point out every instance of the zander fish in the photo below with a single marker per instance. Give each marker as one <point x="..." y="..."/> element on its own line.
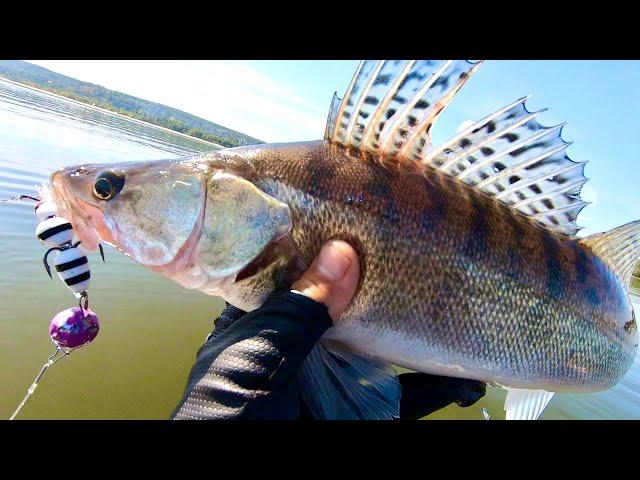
<point x="471" y="266"/>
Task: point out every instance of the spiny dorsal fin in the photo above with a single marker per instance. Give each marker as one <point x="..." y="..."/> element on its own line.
<point x="619" y="248"/>
<point x="333" y="114"/>
<point x="390" y="107"/>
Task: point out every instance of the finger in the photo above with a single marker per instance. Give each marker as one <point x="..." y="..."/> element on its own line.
<point x="332" y="278"/>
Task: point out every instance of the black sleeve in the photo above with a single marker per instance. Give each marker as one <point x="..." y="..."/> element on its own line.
<point x="248" y="367"/>
<point x="423" y="394"/>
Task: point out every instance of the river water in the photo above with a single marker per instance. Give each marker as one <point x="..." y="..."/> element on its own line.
<point x="150" y="328"/>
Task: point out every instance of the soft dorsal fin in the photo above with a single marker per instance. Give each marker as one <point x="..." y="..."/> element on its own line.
<point x="513" y="158"/>
<point x="390" y="107"/>
<point x="619" y="248"/>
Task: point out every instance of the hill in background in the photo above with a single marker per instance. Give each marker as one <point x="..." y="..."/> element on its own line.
<point x="155" y="113"/>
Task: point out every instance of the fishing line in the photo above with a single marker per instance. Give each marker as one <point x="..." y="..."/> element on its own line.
<point x="50" y="361"/>
<point x="77" y="326"/>
<point x="19" y="198"/>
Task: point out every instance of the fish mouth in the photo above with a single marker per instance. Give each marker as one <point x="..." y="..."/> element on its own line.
<point x="89" y="224"/>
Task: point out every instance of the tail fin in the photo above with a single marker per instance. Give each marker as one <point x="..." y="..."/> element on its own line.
<point x="619" y="248"/>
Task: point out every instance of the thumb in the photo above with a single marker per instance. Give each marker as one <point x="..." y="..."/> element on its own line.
<point x="332" y="278"/>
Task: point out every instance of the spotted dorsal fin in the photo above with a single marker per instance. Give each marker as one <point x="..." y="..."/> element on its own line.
<point x="513" y="158"/>
<point x="390" y="107"/>
<point x="333" y="115"/>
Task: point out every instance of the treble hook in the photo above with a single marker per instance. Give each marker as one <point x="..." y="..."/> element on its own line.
<point x="60" y="248"/>
<point x="99" y="246"/>
<point x="44" y="259"/>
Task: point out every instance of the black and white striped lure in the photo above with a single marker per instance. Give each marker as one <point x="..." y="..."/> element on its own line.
<point x="74" y="327"/>
<point x="71" y="263"/>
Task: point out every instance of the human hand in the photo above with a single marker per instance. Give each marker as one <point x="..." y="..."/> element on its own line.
<point x="332" y="278"/>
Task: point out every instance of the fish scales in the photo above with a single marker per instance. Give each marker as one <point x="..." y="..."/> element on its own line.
<point x="453" y="282"/>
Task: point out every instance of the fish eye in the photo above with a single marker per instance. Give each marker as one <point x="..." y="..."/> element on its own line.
<point x="108" y="184"/>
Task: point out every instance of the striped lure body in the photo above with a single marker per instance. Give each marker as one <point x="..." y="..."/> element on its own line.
<point x="54" y="231"/>
<point x="72" y="267"/>
<point x="70" y="262"/>
<point x="470" y="263"/>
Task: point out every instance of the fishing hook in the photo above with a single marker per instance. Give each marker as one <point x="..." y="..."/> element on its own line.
<point x="60" y="248"/>
<point x="46" y="263"/>
<point x="99" y="247"/>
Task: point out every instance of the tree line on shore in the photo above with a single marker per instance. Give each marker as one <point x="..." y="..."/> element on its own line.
<point x="128" y="105"/>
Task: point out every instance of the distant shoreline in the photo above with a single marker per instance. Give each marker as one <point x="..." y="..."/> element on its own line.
<point x="110" y="112"/>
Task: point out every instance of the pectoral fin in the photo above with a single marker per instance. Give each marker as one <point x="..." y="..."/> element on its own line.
<point x="340" y="385"/>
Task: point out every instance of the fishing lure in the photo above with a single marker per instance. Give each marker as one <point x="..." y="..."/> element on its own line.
<point x="77" y="326"/>
<point x="71" y="263"/>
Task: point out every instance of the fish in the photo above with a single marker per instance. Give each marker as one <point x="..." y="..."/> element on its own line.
<point x="471" y="265"/>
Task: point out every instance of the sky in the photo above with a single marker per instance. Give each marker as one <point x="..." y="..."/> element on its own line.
<point x="281" y="101"/>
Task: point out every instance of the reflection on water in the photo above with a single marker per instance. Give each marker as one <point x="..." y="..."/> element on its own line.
<point x="150" y="327"/>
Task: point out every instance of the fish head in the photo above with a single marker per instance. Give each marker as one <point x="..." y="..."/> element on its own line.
<point x="147" y="210"/>
<point x="199" y="223"/>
